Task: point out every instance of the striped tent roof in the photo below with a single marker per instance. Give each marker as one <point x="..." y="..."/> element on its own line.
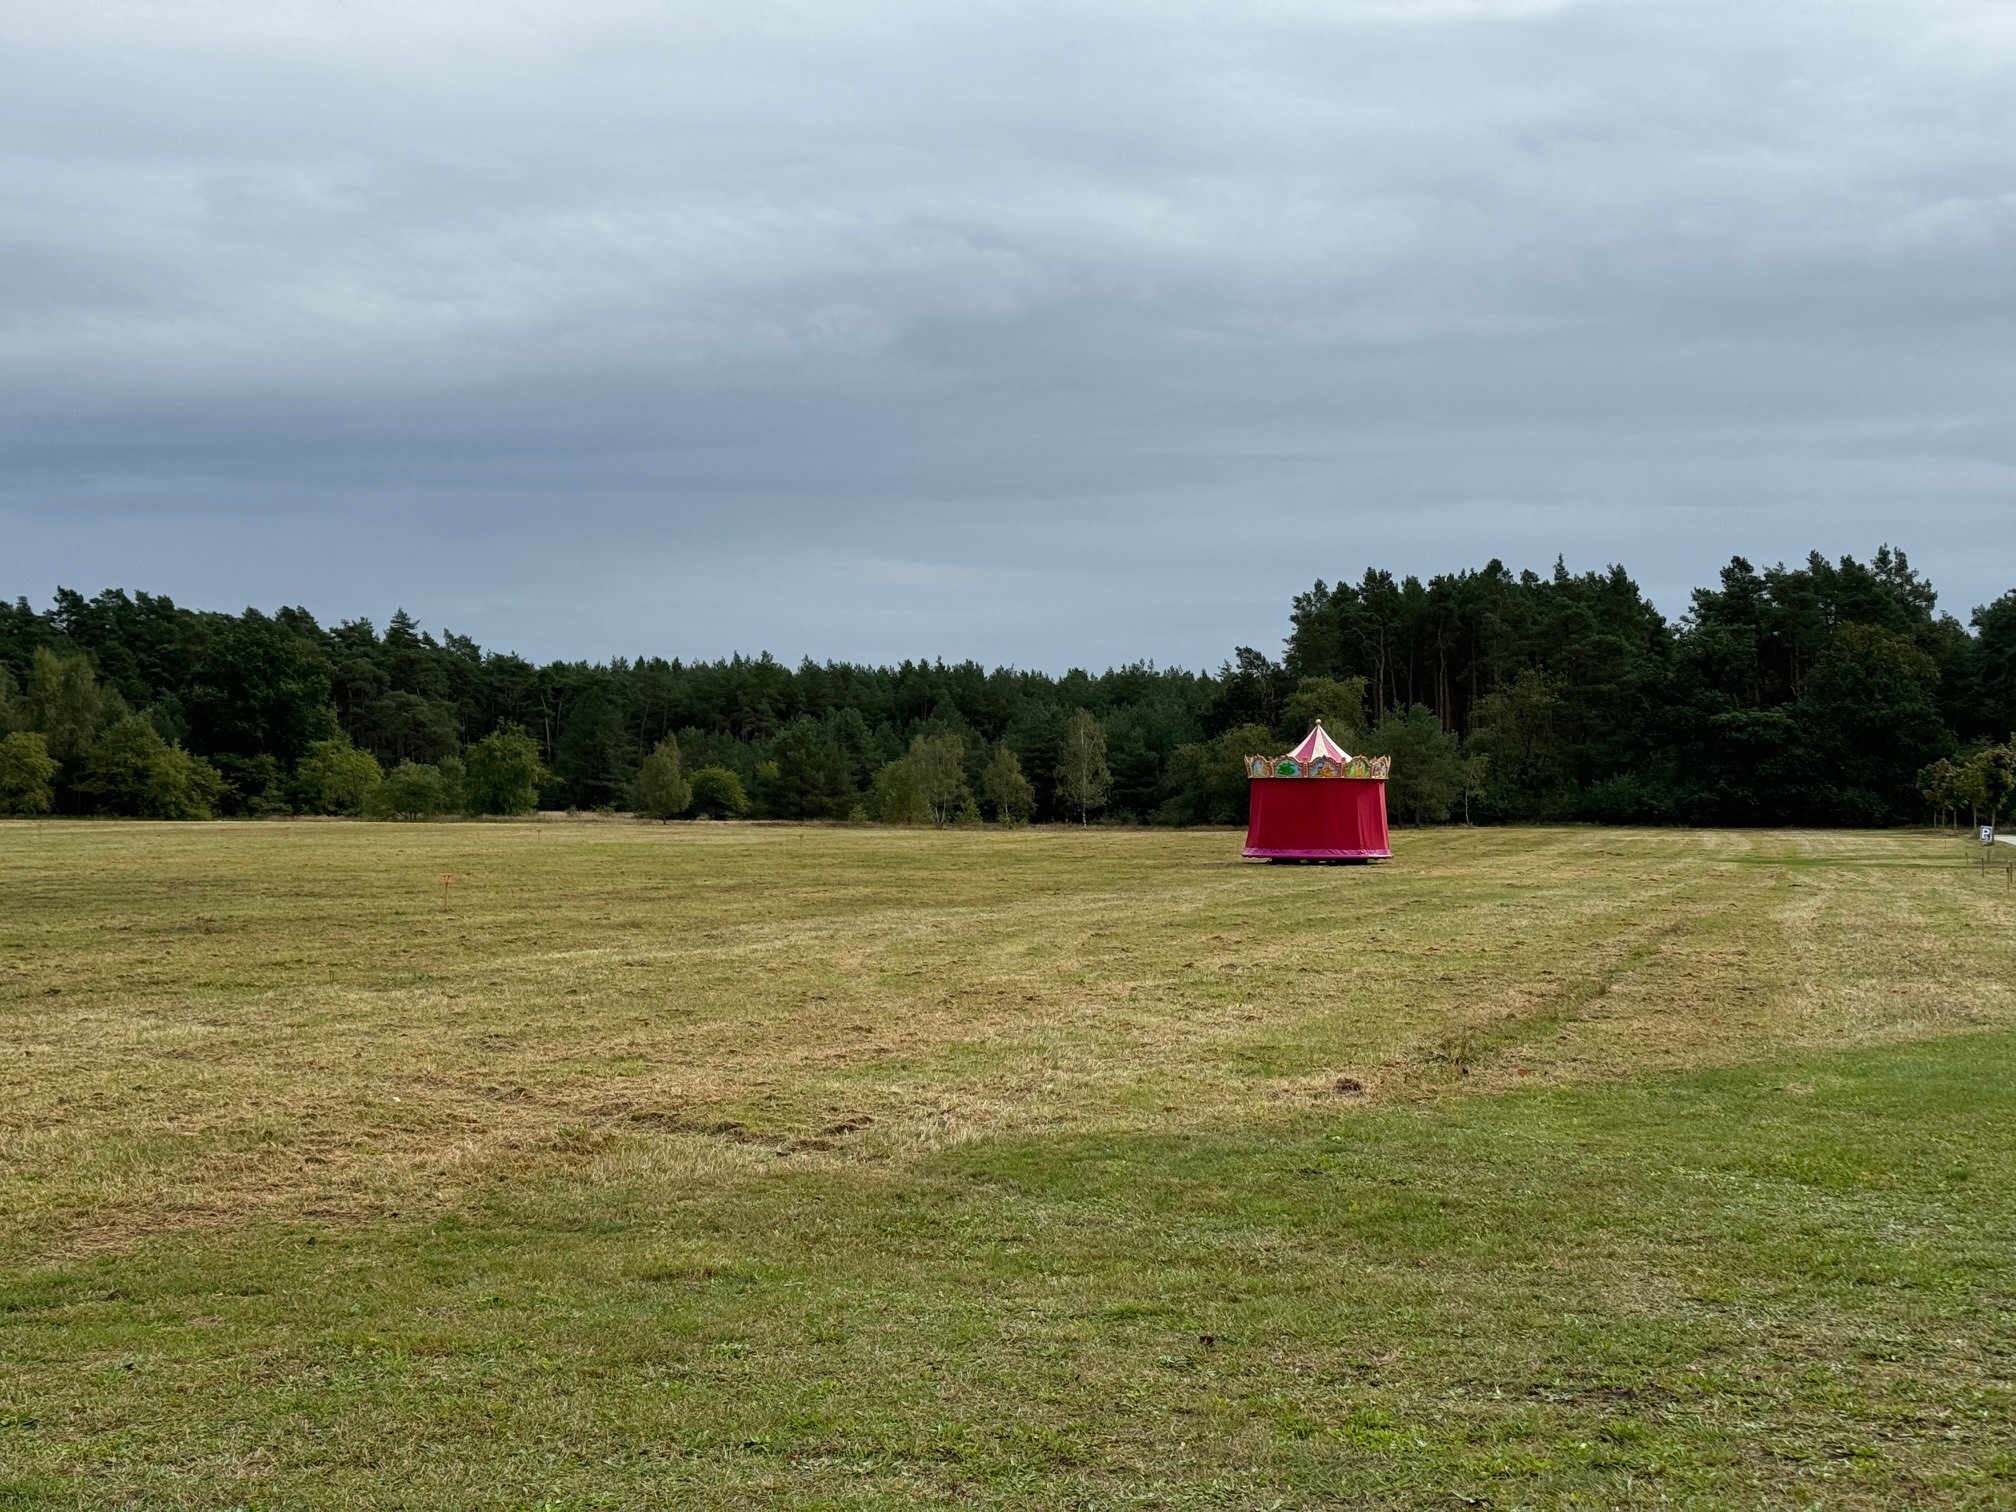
<point x="1318" y="743"/>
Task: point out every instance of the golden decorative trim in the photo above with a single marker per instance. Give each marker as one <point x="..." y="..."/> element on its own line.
<point x="1362" y="768"/>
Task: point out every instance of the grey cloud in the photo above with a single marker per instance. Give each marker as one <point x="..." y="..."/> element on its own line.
<point x="1029" y="332"/>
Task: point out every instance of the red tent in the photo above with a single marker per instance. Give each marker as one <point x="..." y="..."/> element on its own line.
<point x="1317" y="803"/>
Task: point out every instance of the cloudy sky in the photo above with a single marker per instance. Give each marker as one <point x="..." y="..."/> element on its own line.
<point x="1042" y="333"/>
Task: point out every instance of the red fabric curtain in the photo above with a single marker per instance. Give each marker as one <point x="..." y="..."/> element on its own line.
<point x="1317" y="818"/>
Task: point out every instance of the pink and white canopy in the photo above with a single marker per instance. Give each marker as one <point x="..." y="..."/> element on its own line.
<point x="1318" y="743"/>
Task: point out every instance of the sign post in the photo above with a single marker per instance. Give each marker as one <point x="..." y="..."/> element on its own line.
<point x="1987" y="843"/>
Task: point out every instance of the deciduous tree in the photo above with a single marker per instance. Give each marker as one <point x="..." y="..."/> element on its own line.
<point x="65" y="705"/>
<point x="718" y="793"/>
<point x="1006" y="789"/>
<point x="1338" y="703"/>
<point x="939" y="763"/>
<point x="898" y="797"/>
<point x="334" y="777"/>
<point x="1082" y="778"/>
<point x="661" y="790"/>
<point x="1207" y="782"/>
<point x="27" y="774"/>
<point x="1518" y="728"/>
<point x="1987" y="779"/>
<point x="131" y="770"/>
<point x="1428" y="773"/>
<point x="411" y="790"/>
<point x="502" y="773"/>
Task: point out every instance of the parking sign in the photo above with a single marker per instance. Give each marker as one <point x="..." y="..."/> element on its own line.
<point x="1987" y="834"/>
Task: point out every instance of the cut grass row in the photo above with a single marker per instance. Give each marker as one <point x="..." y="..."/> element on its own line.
<point x="816" y="1167"/>
<point x="211" y="1022"/>
<point x="1770" y="1286"/>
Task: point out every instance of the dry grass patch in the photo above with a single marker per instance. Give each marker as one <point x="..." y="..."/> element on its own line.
<point x="205" y="1022"/>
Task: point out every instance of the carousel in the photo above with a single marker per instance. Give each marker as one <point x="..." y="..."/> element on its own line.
<point x="1317" y="803"/>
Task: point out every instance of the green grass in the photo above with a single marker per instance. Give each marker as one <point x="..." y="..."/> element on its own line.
<point x="1683" y="1175"/>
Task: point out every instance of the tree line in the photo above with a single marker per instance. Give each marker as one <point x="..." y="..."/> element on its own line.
<point x="1832" y="692"/>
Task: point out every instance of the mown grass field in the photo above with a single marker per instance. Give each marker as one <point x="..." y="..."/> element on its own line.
<point x="714" y="1166"/>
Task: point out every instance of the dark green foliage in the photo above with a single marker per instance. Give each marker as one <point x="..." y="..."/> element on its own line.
<point x="260" y="688"/>
<point x="809" y="774"/>
<point x="1628" y="798"/>
<point x="254" y="786"/>
<point x="1207" y="780"/>
<point x="1990" y="776"/>
<point x="144" y="647"/>
<point x="596" y="756"/>
<point x="1792" y="695"/>
<point x="1251" y="690"/>
<point x="454" y="783"/>
<point x="21" y="631"/>
<point x="411" y="790"/>
<point x="407" y="727"/>
<point x="1869" y="721"/>
<point x="1035" y="733"/>
<point x="1810" y="695"/>
<point x="1994" y="668"/>
<point x="1939" y="786"/>
<point x="1807" y="694"/>
<point x="1519" y="729"/>
<point x="1452" y="643"/>
<point x="1982" y="782"/>
<point x="501" y="773"/>
<point x="718" y="794"/>
<point x="859" y="748"/>
<point x="1428" y="768"/>
<point x="1338" y="704"/>
<point x="131" y="770"/>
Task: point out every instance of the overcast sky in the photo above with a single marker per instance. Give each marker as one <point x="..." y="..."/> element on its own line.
<point x="1042" y="333"/>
